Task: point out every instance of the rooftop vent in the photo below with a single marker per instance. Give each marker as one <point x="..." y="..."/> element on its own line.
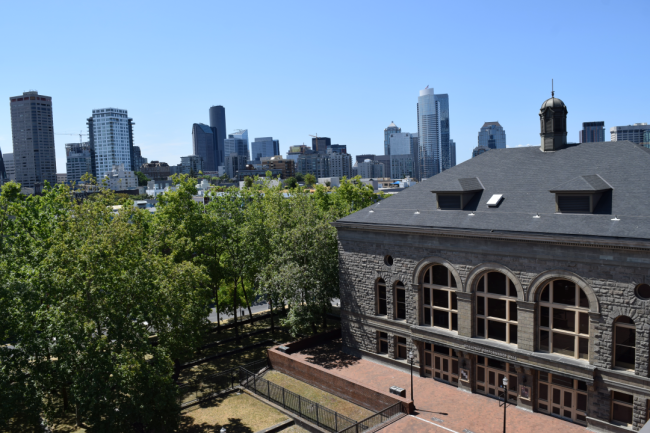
<point x="495" y="200"/>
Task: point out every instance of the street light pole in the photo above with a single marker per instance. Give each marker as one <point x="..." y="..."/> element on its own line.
<point x="411" y="360"/>
<point x="505" y="401"/>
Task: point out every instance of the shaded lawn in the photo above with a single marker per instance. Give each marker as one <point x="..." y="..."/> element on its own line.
<point x="321" y="397"/>
<point x="237" y="413"/>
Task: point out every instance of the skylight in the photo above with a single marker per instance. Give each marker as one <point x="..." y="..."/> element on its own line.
<point x="495" y="200"/>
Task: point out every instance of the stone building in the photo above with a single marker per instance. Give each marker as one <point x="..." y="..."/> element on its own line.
<point x="530" y="264"/>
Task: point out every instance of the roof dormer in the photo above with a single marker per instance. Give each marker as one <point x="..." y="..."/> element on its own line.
<point x="581" y="194"/>
<point x="457" y="193"/>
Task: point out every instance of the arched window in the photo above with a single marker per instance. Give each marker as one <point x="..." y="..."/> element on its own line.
<point x="564" y="320"/>
<point x="400" y="301"/>
<point x="496" y="308"/>
<point x="625" y="343"/>
<point x="381" y="308"/>
<point x="439" y="304"/>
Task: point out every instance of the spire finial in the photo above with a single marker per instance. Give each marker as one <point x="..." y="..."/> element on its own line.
<point x="552" y="90"/>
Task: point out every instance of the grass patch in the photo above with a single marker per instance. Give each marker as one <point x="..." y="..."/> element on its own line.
<point x="321" y="397"/>
<point x="237" y="413"/>
<point x="295" y="429"/>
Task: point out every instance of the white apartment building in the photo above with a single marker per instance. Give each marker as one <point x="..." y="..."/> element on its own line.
<point x="119" y="179"/>
<point x="111" y="138"/>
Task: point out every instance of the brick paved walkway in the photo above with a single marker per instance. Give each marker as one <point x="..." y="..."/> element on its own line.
<point x="437" y="404"/>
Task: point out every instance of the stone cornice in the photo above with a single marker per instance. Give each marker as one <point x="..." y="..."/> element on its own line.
<point x="553" y="239"/>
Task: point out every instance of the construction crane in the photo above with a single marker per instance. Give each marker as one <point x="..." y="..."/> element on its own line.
<point x="80" y="134"/>
<point x="316" y="137"/>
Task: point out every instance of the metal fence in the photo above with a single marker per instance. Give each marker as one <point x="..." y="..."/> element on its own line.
<point x="321" y="416"/>
<point x="375" y="420"/>
<point x="207" y="387"/>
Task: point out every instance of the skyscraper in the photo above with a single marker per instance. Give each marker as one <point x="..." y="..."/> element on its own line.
<point x="452" y="153"/>
<point x="3" y="172"/>
<point x="592" y="132"/>
<point x="33" y="140"/>
<point x="110" y="133"/>
<point x="218" y="125"/>
<point x="633" y="133"/>
<point x="138" y="159"/>
<point x="492" y="135"/>
<point x="263" y="147"/>
<point x="390" y="129"/>
<point x="442" y="108"/>
<point x="320" y="144"/>
<point x="79" y="161"/>
<point x="428" y="134"/>
<point x="205" y="144"/>
<point x="237" y="143"/>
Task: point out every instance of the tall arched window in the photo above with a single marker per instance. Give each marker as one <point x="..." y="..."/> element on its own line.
<point x="400" y="301"/>
<point x="625" y="343"/>
<point x="380" y="297"/>
<point x="496" y="308"/>
<point x="439" y="304"/>
<point x="564" y="319"/>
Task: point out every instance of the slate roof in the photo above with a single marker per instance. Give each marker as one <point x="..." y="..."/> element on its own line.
<point x="525" y="176"/>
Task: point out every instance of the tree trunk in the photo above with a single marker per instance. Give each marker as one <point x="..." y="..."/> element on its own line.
<point x="234" y="300"/>
<point x="215" y="290"/>
<point x="248" y="304"/>
<point x="271" y="310"/>
<point x="177" y="369"/>
<point x="324" y="318"/>
<point x="64" y="394"/>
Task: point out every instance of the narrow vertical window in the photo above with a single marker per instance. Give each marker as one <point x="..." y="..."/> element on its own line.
<point x="382" y="343"/>
<point x="622" y="408"/>
<point x="381" y="298"/>
<point x="400" y="301"/>
<point x="624" y="343"/>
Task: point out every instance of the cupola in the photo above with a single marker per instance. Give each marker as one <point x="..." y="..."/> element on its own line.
<point x="552" y="118"/>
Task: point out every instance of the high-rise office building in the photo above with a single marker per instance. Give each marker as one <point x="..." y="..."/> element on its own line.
<point x="3" y="172"/>
<point x="205" y="144"/>
<point x="402" y="166"/>
<point x="633" y="133"/>
<point x="320" y="144"/>
<point x="442" y="109"/>
<point x="218" y="125"/>
<point x="234" y="163"/>
<point x="263" y="147"/>
<point x="452" y="153"/>
<point x="340" y="165"/>
<point x="492" y="135"/>
<point x="592" y="132"/>
<point x="295" y="151"/>
<point x="399" y="143"/>
<point x="10" y="168"/>
<point x="402" y="154"/>
<point x="370" y="169"/>
<point x="478" y="150"/>
<point x="33" y="140"/>
<point x="390" y="129"/>
<point x="237" y="143"/>
<point x="138" y="159"/>
<point x="110" y="136"/>
<point x="385" y="161"/>
<point x="316" y="163"/>
<point x="415" y="148"/>
<point x="646" y="139"/>
<point x="338" y="148"/>
<point x="79" y="161"/>
<point x="362" y="158"/>
<point x="191" y="164"/>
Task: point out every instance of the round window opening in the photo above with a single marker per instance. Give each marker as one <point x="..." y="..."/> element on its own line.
<point x="388" y="260"/>
<point x="643" y="291"/>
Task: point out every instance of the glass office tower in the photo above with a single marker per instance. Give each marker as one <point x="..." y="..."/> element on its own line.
<point x="442" y="108"/>
<point x="428" y="135"/>
<point x="391" y="129"/>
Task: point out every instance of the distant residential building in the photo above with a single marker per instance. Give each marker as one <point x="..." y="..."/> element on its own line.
<point x="295" y="151"/>
<point x="138" y="159"/>
<point x="155" y="187"/>
<point x="3" y="171"/>
<point x="402" y="166"/>
<point x="286" y="166"/>
<point x="478" y="150"/>
<point x="355" y="170"/>
<point x="492" y="135"/>
<point x="592" y="132"/>
<point x="110" y="133"/>
<point x="33" y="140"/>
<point x="234" y="163"/>
<point x="156" y="170"/>
<point x="79" y="161"/>
<point x="61" y="178"/>
<point x="338" y="148"/>
<point x="320" y="144"/>
<point x="370" y="169"/>
<point x="633" y="133"/>
<point x="237" y="143"/>
<point x="385" y="160"/>
<point x="388" y="131"/>
<point x="314" y="163"/>
<point x="10" y="168"/>
<point x="329" y="181"/>
<point x="340" y="165"/>
<point x="264" y="147"/>
<point x="205" y="144"/>
<point x="218" y="126"/>
<point x="192" y="165"/>
<point x="452" y="153"/>
<point x="119" y="179"/>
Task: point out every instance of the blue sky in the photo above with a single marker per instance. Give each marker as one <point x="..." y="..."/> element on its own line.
<point x="342" y="69"/>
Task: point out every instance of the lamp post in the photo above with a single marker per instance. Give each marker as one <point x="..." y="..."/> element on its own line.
<point x="505" y="401"/>
<point x="411" y="359"/>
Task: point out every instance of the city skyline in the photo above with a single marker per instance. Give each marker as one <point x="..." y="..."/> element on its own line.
<point x="293" y="100"/>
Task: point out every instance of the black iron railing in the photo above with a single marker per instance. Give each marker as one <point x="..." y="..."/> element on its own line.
<point x="375" y="420"/>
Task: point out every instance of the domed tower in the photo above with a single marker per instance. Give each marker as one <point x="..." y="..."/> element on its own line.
<point x="552" y="117"/>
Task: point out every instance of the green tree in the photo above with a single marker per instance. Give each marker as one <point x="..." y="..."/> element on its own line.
<point x="310" y="179"/>
<point x="248" y="182"/>
<point x="290" y="182"/>
<point x="142" y="178"/>
<point x="268" y="174"/>
<point x="300" y="177"/>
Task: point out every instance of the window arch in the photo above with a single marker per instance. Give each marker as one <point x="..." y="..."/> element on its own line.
<point x="496" y="308"/>
<point x="564" y="319"/>
<point x="624" y="343"/>
<point x="439" y="303"/>
<point x="400" y="301"/>
<point x="380" y="296"/>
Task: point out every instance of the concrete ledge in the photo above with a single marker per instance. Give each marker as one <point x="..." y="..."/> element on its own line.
<point x="278" y="427"/>
<point x="600" y="426"/>
<point x="307" y="425"/>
